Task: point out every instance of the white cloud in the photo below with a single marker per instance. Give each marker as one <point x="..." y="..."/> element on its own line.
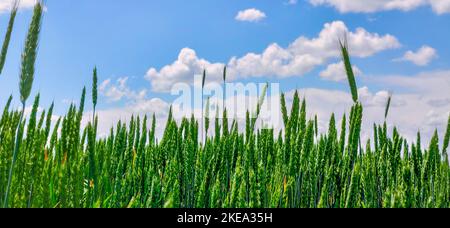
<point x="304" y="54"/>
<point x="6" y="5"/>
<point x="440" y="6"/>
<point x="370" y="6"/>
<point x="183" y="70"/>
<point x="336" y="72"/>
<point x="421" y="57"/>
<point x="250" y="15"/>
<point x="434" y="83"/>
<point x="119" y="90"/>
<point x="300" y="57"/>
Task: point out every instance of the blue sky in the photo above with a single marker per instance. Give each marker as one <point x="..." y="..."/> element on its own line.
<point x="125" y="39"/>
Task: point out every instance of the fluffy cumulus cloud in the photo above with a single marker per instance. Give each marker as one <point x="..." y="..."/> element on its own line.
<point x="183" y="70"/>
<point x="440" y="6"/>
<point x="6" y="5"/>
<point x="369" y="6"/>
<point x="298" y="58"/>
<point x="336" y="72"/>
<point x="250" y="15"/>
<point x="119" y="90"/>
<point x="421" y="57"/>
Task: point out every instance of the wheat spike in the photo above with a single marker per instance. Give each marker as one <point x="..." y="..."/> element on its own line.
<point x="30" y="52"/>
<point x="348" y="69"/>
<point x="5" y="46"/>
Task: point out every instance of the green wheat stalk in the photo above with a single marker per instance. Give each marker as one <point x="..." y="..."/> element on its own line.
<point x="261" y="99"/>
<point x="207" y="117"/>
<point x="203" y="88"/>
<point x="224" y="88"/>
<point x="26" y="79"/>
<point x="388" y="105"/>
<point x="348" y="69"/>
<point x="7" y="39"/>
<point x="447" y="137"/>
<point x="94" y="92"/>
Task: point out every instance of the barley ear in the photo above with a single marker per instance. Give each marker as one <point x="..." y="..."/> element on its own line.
<point x="447" y="137"/>
<point x="94" y="92"/>
<point x="30" y="52"/>
<point x="284" y="110"/>
<point x="82" y="100"/>
<point x="224" y="74"/>
<point x="224" y="88"/>
<point x="207" y="116"/>
<point x="348" y="69"/>
<point x="316" y="125"/>
<point x="94" y="87"/>
<point x="5" y="46"/>
<point x="388" y="105"/>
<point x="203" y="86"/>
<point x="261" y="99"/>
<point x="262" y="96"/>
<point x="203" y="79"/>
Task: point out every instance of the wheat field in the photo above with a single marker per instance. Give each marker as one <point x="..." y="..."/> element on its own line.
<point x="65" y="164"/>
